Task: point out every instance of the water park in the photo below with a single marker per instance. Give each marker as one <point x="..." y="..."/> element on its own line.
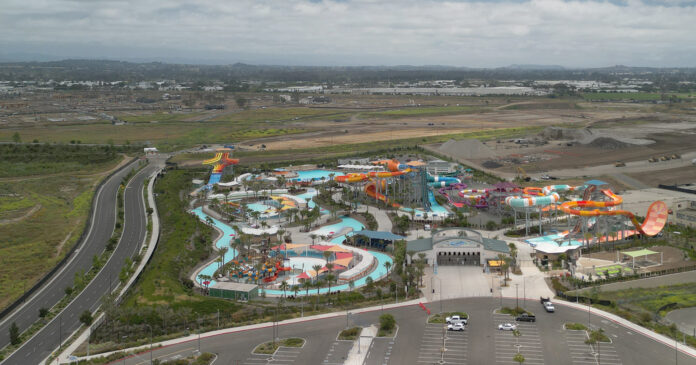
<point x="294" y="226"/>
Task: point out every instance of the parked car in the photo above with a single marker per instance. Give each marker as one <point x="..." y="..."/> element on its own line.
<point x="546" y="302"/>
<point x="524" y="317"/>
<point x="507" y="327"/>
<point x="455" y="319"/>
<point x="459" y="326"/>
<point x="426" y="227"/>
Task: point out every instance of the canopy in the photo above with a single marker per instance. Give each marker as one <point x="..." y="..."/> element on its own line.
<point x="303" y="276"/>
<point x="337" y="249"/>
<point x="495" y="263"/>
<point x="643" y="252"/>
<point x="343" y="262"/>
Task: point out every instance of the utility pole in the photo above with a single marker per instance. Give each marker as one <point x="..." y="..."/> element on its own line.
<point x="517" y="296"/>
<point x="60" y="332"/>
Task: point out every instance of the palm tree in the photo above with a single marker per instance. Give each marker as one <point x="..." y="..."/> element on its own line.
<point x="313" y="237"/>
<point x="327" y="256"/>
<point x="284" y="287"/>
<point x="316" y="269"/>
<point x="410" y="254"/>
<point x="222" y="251"/>
<point x="307" y="284"/>
<point x="388" y="265"/>
<point x="329" y="279"/>
<point x="351" y="285"/>
<point x="295" y="290"/>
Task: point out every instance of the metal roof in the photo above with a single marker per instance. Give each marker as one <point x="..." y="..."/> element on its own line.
<point x="380" y="235"/>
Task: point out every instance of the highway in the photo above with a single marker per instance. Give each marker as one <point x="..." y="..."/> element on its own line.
<point x="47" y="340"/>
<point x="417" y="342"/>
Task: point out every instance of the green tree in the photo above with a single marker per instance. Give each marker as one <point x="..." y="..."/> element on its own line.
<point x="14" y="334"/>
<point x="16" y="137"/>
<point x="518" y="358"/>
<point x="86" y="318"/>
<point x="43" y="312"/>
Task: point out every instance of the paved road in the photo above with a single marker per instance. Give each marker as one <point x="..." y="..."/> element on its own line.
<point x="44" y="342"/>
<point x="543" y="342"/>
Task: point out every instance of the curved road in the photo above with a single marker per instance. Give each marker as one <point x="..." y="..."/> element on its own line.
<point x="45" y="341"/>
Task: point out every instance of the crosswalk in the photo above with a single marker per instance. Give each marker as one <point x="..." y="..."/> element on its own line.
<point x="528" y="343"/>
<point x="338" y="352"/>
<point x="431" y="348"/>
<point x="584" y="354"/>
<point x="282" y="356"/>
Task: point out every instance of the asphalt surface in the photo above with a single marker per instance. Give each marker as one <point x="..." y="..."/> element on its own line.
<point x="48" y="339"/>
<point x="416" y="342"/>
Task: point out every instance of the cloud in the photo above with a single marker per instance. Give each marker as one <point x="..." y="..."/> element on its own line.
<point x="367" y="32"/>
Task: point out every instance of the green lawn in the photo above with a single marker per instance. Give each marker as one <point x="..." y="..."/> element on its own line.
<point x="423" y="111"/>
<point x="652" y="299"/>
<point x="640" y="96"/>
<point x="277" y="114"/>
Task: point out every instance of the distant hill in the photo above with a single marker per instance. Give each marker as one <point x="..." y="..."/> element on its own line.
<point x="535" y="67"/>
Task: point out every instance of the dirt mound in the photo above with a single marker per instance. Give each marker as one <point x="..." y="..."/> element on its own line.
<point x="491" y="165"/>
<point x="467" y="148"/>
<point x="558" y="133"/>
<point x="607" y="143"/>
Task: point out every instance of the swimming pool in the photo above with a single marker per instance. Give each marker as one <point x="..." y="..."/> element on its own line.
<point x="224" y="241"/>
<point x="258" y="207"/>
<point x="556" y="239"/>
<point x="335" y="228"/>
<point x="377" y="274"/>
<point x="310" y="175"/>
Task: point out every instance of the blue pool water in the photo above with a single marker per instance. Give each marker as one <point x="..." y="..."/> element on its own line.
<point x="553" y="239"/>
<point x="345" y="222"/>
<point x="224" y="241"/>
<point x="310" y="175"/>
<point x="436" y="209"/>
<point x="379" y="272"/>
<point x="257" y="207"/>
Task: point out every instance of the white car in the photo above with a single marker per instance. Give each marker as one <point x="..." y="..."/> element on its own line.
<point x="455" y="319"/>
<point x="549" y="307"/>
<point x="456" y="327"/>
<point x="507" y="327"/>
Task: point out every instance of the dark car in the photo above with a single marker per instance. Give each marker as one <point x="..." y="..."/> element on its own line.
<point x="524" y="317"/>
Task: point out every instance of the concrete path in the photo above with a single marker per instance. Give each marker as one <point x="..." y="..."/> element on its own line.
<point x="358" y="354"/>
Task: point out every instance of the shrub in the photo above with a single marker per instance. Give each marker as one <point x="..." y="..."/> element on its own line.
<point x="575" y="326"/>
<point x="387" y="322"/>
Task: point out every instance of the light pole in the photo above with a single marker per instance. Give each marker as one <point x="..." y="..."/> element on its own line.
<point x="150" y="327"/>
<point x="517" y="296"/>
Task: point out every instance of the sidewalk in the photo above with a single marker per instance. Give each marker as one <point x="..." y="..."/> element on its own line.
<point x="194" y="337"/>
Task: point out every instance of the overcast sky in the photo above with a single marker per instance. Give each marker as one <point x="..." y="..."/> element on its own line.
<point x="494" y="33"/>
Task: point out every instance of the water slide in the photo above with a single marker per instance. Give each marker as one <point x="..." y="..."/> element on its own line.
<point x="436" y="181"/>
<point x="476" y="197"/>
<point x="540" y="197"/>
<point x="455" y="186"/>
<point x="220" y="161"/>
<point x="654" y="222"/>
<point x="395" y="169"/>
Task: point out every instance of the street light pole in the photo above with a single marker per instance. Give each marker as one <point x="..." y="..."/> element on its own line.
<point x="517" y="296"/>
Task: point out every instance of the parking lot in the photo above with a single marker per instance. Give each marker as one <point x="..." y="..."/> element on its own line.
<point x="455" y="345"/>
<point x="528" y="343"/>
<point x="283" y="356"/>
<point x="542" y="342"/>
<point x="584" y="354"/>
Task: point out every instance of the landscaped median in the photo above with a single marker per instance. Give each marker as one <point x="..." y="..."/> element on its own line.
<point x="442" y="317"/>
<point x="271" y="347"/>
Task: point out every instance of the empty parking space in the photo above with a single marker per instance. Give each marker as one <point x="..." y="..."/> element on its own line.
<point x="338" y="352"/>
<point x="283" y="356"/>
<point x="528" y="343"/>
<point x="379" y="351"/>
<point x="431" y="347"/>
<point x="584" y="354"/>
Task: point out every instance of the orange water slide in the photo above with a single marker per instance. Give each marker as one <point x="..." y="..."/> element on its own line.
<point x="654" y="222"/>
<point x="371" y="191"/>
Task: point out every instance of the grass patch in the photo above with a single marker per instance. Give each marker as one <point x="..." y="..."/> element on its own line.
<point x="350" y="334"/>
<point x="640" y="96"/>
<point x="423" y="111"/>
<point x="575" y="326"/>
<point x="277" y="114"/>
<point x="597" y="336"/>
<point x="269" y="348"/>
<point x="547" y="105"/>
<point x="442" y="317"/>
<point x="514" y="311"/>
<point x="663" y="299"/>
<point x="387" y="326"/>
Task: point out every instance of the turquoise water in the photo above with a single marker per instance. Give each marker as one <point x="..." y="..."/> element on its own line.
<point x="257" y="207"/>
<point x="345" y="222"/>
<point x="436" y="210"/>
<point x="315" y="175"/>
<point x="308" y="197"/>
<point x="224" y="241"/>
<point x="375" y="275"/>
<point x="553" y="239"/>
